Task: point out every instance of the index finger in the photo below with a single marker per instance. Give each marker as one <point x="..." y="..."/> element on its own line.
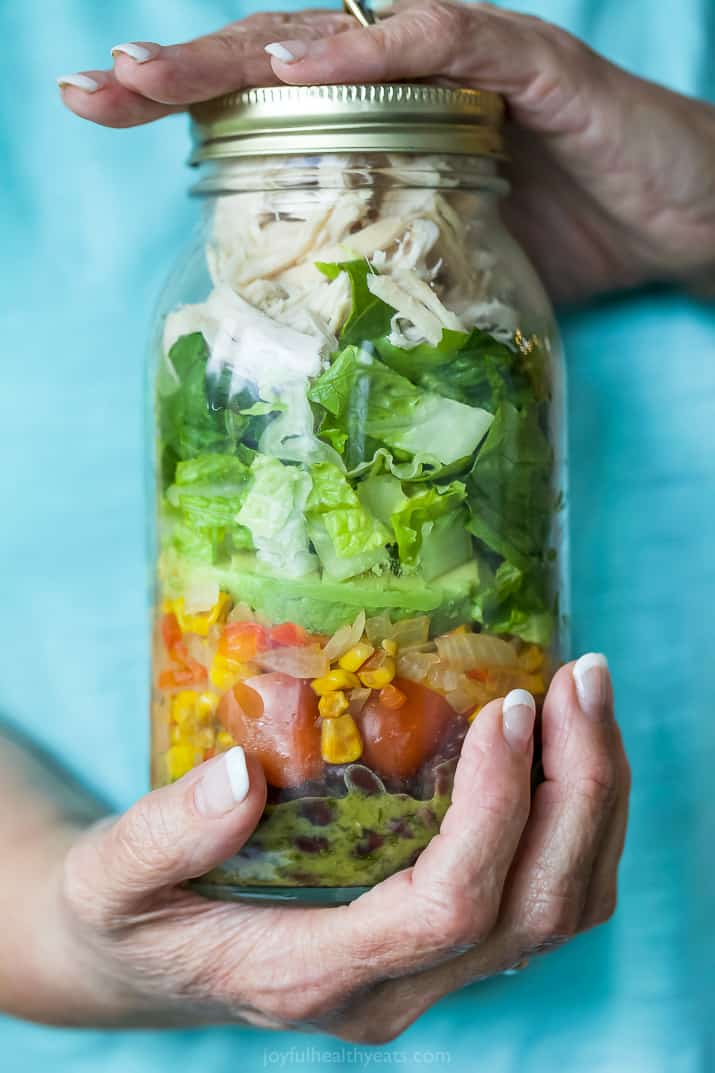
<point x="449" y="900"/>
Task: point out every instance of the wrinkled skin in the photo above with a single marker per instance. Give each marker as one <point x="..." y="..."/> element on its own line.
<point x="612" y="175"/>
<point x="118" y="941"/>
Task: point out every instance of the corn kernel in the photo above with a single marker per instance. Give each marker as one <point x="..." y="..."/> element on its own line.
<point x="183" y="706"/>
<point x="331" y="705"/>
<point x="532" y="658"/>
<point x="338" y="679"/>
<point x="179" y="760"/>
<point x="225" y="671"/>
<point x="201" y="622"/>
<point x="224" y="740"/>
<point x="380" y="676"/>
<point x="204" y="738"/>
<point x="175" y="735"/>
<point x="354" y="658"/>
<point x="206" y="705"/>
<point x="389" y="646"/>
<point x="340" y="741"/>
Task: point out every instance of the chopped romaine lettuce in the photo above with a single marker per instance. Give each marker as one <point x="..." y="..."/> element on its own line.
<point x="206" y="496"/>
<point x="369" y="317"/>
<point x="349" y="539"/>
<point x="188" y="424"/>
<point x="376" y="407"/>
<point x="510" y="600"/>
<point x="421" y="510"/>
<point x="509" y="487"/>
<point x="472" y="368"/>
<point x="273" y="512"/>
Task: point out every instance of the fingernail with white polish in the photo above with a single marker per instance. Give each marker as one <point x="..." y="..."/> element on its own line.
<point x="138" y="53"/>
<point x="224" y="783"/>
<point x="287" y="51"/>
<point x="518" y="715"/>
<point x="89" y="85"/>
<point x="592" y="680"/>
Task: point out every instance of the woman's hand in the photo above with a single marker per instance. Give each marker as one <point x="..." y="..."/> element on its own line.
<point x="120" y="942"/>
<point x="612" y="176"/>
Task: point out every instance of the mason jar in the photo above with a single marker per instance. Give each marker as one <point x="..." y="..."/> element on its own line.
<point x="360" y="465"/>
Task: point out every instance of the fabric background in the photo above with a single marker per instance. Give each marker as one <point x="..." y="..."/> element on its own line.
<point x="91" y="219"/>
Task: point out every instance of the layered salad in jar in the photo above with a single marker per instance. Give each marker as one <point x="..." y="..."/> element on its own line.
<point x="356" y="497"/>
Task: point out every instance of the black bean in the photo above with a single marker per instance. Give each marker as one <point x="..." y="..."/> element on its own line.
<point x="311" y="844"/>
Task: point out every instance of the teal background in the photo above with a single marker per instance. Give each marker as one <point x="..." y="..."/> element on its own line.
<point x="90" y="220"/>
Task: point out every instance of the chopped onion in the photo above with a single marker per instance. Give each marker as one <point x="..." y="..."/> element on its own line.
<point x="241" y="613"/>
<point x="345" y="638"/>
<point x="407" y="632"/>
<point x="416" y="665"/>
<point x="466" y="651"/>
<point x="443" y="678"/>
<point x="358" y="700"/>
<point x="467" y="695"/>
<point x="201" y="595"/>
<point x="378" y="628"/>
<point x="303" y="661"/>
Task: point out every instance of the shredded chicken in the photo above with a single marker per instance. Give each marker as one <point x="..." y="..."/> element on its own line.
<point x="430" y="264"/>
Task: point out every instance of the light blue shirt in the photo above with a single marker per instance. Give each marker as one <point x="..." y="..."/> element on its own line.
<point x="93" y="220"/>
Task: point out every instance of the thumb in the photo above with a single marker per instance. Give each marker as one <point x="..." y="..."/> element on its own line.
<point x="171" y="835"/>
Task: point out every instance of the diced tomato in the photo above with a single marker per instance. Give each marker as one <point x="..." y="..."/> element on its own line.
<point x="250" y="701"/>
<point x="170" y="630"/>
<point x="397" y="741"/>
<point x="285" y="735"/>
<point x="290" y="635"/>
<point x="176" y="677"/>
<point x="478" y="674"/>
<point x="242" y="640"/>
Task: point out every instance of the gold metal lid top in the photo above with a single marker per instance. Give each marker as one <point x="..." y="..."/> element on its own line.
<point x="400" y="117"/>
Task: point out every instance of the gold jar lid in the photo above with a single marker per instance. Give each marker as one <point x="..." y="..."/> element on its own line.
<point x="400" y="117"/>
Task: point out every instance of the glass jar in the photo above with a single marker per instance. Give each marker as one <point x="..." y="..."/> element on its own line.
<point x="361" y="479"/>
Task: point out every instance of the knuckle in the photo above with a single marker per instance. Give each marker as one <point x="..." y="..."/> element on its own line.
<point x="604" y="909"/>
<point x="552" y="922"/>
<point x="448" y="19"/>
<point x="144" y="837"/>
<point x="503" y="800"/>
<point x="599" y="784"/>
<point x="302" y="1005"/>
<point x="456" y="920"/>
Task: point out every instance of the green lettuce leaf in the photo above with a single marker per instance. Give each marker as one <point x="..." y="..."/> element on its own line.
<point x="413" y="362"/>
<point x="472" y="368"/>
<point x="420" y="511"/>
<point x="349" y="539"/>
<point x="188" y="424"/>
<point x="378" y="407"/>
<point x="509" y="487"/>
<point x="273" y="513"/>
<point x="369" y="317"/>
<point x="202" y="505"/>
<point x="512" y="601"/>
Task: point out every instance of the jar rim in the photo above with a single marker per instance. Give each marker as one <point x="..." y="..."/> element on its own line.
<point x="382" y="117"/>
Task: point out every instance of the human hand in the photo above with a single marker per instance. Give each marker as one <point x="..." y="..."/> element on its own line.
<point x="611" y="175"/>
<point x="507" y="876"/>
